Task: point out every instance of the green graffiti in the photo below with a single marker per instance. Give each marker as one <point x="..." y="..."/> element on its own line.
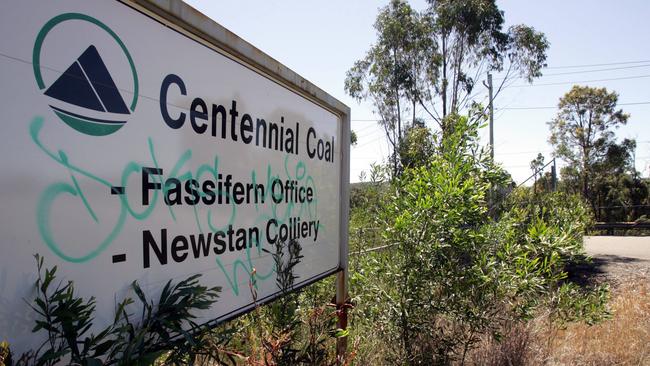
<point x="43" y="211"/>
<point x="243" y="265"/>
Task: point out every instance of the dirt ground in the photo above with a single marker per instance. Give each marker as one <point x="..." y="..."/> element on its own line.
<point x="624" y="338"/>
<point x="616" y="260"/>
<point x="615" y="270"/>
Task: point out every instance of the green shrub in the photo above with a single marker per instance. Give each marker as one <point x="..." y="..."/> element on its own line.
<point x="450" y="270"/>
<point x="165" y="328"/>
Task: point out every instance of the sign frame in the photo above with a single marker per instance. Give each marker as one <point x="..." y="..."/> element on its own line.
<point x="195" y="25"/>
<point x="172" y="16"/>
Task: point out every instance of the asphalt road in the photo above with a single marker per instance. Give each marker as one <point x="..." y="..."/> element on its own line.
<point x="620" y="246"/>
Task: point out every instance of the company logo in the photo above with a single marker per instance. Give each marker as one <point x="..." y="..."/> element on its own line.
<point x="85" y="96"/>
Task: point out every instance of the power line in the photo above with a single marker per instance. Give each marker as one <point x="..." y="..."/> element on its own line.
<point x="375" y="140"/>
<point x="525" y="152"/>
<point x="577" y="66"/>
<point x="516" y="166"/>
<point x="517" y="108"/>
<point x="362" y="133"/>
<point x="544" y="84"/>
<point x="364" y="128"/>
<point x="378" y="120"/>
<point x="598" y="70"/>
<point x="551" y="84"/>
<point x="585" y="71"/>
<point x="368" y="133"/>
<point x="580" y="81"/>
<point x="595" y="65"/>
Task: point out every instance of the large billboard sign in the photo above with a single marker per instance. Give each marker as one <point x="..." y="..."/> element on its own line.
<point x="135" y="149"/>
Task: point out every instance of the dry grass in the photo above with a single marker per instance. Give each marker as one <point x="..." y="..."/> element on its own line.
<point x="513" y="349"/>
<point x="622" y="340"/>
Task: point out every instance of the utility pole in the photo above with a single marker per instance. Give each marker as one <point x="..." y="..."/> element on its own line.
<point x="491" y="117"/>
<point x="491" y="193"/>
<point x="554" y="176"/>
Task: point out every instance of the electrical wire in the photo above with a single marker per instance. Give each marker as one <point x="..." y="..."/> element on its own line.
<point x="519" y="108"/>
<point x="596" y="65"/>
<point x="560" y="67"/>
<point x="583" y="71"/>
<point x="580" y="81"/>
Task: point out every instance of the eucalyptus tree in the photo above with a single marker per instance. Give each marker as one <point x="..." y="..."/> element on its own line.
<point x="472" y="41"/>
<point x="582" y="132"/>
<point x="393" y="72"/>
<point x="428" y="63"/>
<point x="536" y="167"/>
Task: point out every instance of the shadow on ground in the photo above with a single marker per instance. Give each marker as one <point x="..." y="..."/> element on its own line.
<point x="589" y="271"/>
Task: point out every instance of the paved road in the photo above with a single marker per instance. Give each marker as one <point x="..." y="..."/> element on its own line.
<point x="619" y="259"/>
<point x="620" y="246"/>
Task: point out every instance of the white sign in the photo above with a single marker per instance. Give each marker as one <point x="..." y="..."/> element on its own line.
<point x="131" y="151"/>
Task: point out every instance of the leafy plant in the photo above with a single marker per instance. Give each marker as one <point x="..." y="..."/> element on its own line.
<point x="281" y="342"/>
<point x="164" y="328"/>
<point x="439" y="285"/>
<point x="66" y="319"/>
<point x="298" y="328"/>
<point x="5" y="354"/>
<point x="448" y="272"/>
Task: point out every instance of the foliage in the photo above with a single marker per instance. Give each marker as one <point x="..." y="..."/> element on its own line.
<point x="435" y="290"/>
<point x="299" y="328"/>
<point x="417" y="147"/>
<point x="5" y="354"/>
<point x="295" y="329"/>
<point x="447" y="271"/>
<point x="283" y="312"/>
<point x="542" y="236"/>
<point x="164" y="328"/>
<point x="424" y="61"/>
<point x="394" y="68"/>
<point x="573" y="303"/>
<point x="618" y="192"/>
<point x="599" y="167"/>
<point x="436" y="217"/>
<point x="471" y="40"/>
<point x="536" y="166"/>
<point x="582" y="135"/>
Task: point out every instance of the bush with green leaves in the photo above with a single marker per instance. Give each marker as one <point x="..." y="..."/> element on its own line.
<point x="298" y="328"/>
<point x="542" y="235"/>
<point x="452" y="270"/>
<point x="164" y="332"/>
<point x="437" y="282"/>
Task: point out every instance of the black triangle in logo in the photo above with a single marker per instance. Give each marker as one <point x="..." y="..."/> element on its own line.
<point x="102" y="81"/>
<point x="73" y="87"/>
<point x="87" y="81"/>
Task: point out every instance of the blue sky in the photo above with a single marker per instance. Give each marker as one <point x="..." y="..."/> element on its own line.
<point x="321" y="40"/>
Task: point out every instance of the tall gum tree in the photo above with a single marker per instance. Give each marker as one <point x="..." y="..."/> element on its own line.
<point x="428" y="63"/>
<point x="583" y="129"/>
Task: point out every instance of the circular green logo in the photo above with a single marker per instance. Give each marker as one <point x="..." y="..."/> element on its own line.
<point x="87" y="97"/>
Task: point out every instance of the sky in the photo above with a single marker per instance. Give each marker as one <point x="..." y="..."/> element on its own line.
<point x="592" y="42"/>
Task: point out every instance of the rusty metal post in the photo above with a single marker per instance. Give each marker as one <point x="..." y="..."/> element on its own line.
<point x="342" y="313"/>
